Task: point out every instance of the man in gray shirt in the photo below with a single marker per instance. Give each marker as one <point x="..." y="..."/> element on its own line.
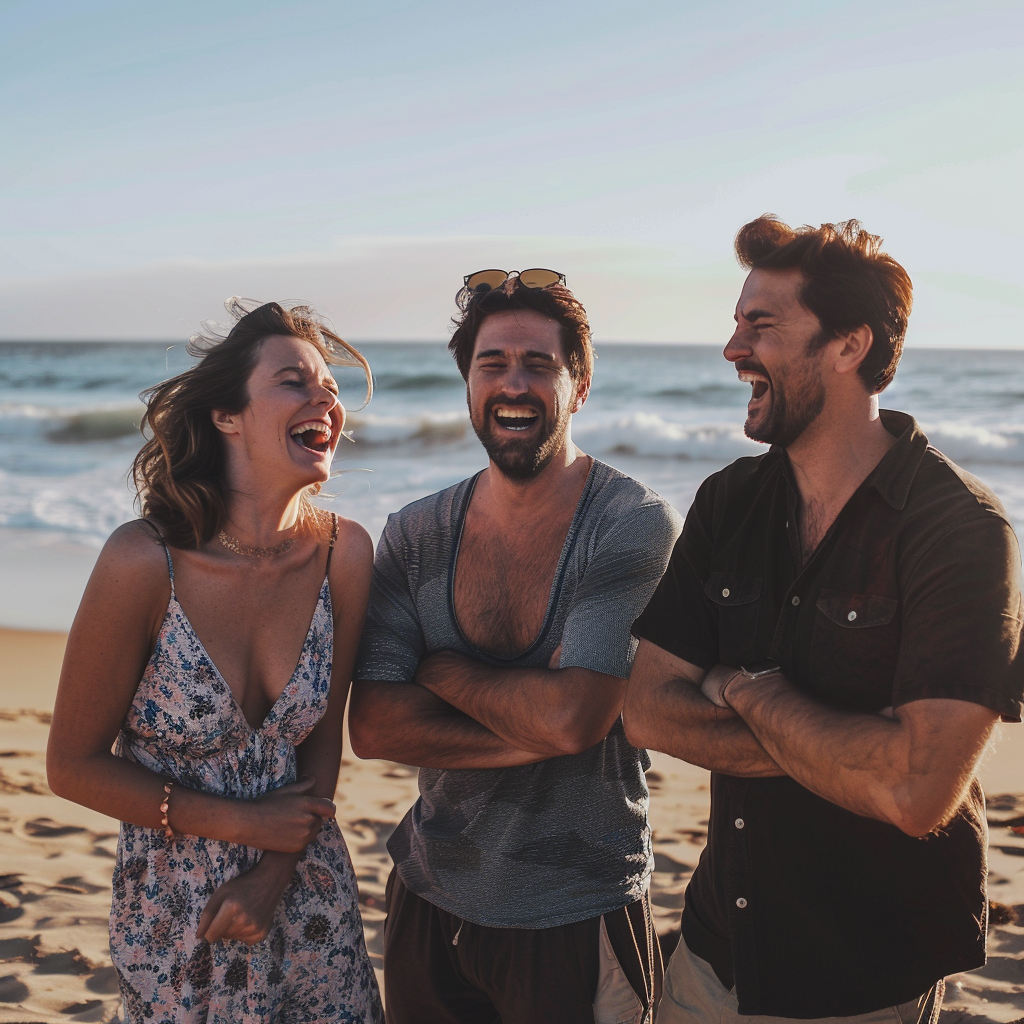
<point x="495" y="657"/>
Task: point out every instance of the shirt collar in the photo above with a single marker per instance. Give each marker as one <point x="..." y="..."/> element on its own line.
<point x="894" y="474"/>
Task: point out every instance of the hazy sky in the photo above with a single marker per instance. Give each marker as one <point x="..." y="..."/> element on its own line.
<point x="159" y="157"/>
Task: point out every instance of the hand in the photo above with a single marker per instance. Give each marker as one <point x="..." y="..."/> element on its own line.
<point x="715" y="682"/>
<point x="241" y="909"/>
<point x="285" y="819"/>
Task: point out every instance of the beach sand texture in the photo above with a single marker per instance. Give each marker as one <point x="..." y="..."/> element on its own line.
<point x="56" y="858"/>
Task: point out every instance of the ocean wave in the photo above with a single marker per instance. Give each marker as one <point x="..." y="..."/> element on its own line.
<point x="969" y="443"/>
<point x="79" y="426"/>
<point x="428" y="430"/>
<point x="419" y="382"/>
<point x="647" y="435"/>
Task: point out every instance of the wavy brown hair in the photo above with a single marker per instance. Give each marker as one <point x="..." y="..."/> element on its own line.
<point x="179" y="471"/>
<point x="556" y="302"/>
<point x="848" y="282"/>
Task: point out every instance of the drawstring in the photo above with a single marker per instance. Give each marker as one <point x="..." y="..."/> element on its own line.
<point x="455" y="941"/>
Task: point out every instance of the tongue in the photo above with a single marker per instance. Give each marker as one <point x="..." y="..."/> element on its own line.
<point x="314" y="439"/>
<point x="759" y="390"/>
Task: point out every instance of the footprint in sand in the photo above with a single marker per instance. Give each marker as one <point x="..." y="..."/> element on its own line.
<point x="47" y="828"/>
<point x="12" y="990"/>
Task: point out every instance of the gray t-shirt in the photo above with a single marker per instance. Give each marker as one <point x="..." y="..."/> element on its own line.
<point x="564" y="839"/>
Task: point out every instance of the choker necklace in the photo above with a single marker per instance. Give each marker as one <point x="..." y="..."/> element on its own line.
<point x="250" y="551"/>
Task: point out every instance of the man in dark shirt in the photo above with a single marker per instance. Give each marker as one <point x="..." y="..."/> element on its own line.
<point x="835" y="637"/>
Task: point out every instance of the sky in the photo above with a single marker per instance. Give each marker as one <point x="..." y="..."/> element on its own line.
<point x="159" y="158"/>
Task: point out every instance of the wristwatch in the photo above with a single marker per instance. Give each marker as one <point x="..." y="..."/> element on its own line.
<point x="757" y="669"/>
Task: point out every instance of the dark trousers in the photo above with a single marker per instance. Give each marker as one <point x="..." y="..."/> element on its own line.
<point x="439" y="969"/>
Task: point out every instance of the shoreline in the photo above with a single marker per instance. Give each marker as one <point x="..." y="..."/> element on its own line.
<point x="56" y="859"/>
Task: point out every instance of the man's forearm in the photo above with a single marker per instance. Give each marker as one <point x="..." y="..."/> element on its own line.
<point x="665" y="710"/>
<point x="672" y="716"/>
<point x="407" y="723"/>
<point x="550" y="712"/>
<point x="910" y="770"/>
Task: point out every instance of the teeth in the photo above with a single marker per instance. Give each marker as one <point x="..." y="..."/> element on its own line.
<point x="515" y="412"/>
<point x="318" y="425"/>
<point x="750" y="377"/>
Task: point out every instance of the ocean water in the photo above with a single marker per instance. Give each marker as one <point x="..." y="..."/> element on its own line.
<point x="666" y="414"/>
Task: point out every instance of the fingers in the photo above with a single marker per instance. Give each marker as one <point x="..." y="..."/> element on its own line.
<point x="229" y="922"/>
<point x="208" y="914"/>
<point x="321" y="807"/>
<point x="222" y="920"/>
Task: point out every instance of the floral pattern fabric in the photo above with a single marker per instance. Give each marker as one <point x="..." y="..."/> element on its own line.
<point x="184" y="723"/>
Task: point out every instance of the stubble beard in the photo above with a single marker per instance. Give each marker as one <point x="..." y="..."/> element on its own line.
<point x="787" y="420"/>
<point x="525" y="459"/>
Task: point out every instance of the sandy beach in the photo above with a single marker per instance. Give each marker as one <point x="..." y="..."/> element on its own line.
<point x="56" y="858"/>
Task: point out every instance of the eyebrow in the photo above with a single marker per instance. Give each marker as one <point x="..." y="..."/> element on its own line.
<point x="490" y="353"/>
<point x="754" y="314"/>
<point x="303" y="371"/>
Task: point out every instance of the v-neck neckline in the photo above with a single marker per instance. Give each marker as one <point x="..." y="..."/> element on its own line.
<point x="322" y="599"/>
<point x="556" y="583"/>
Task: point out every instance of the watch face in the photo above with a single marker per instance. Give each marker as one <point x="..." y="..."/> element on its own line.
<point x="761" y="668"/>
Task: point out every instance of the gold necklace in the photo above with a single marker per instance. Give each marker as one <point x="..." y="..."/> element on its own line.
<point x="249" y="550"/>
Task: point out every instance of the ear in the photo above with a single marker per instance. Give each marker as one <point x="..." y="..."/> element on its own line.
<point x="582" y="391"/>
<point x="853" y="348"/>
<point x="225" y="422"/>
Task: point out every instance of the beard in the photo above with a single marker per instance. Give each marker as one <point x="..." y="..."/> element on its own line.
<point x="521" y="459"/>
<point x="789" y="415"/>
<point x="796" y="399"/>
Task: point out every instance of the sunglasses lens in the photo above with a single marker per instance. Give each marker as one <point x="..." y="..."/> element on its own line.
<point x="485" y="280"/>
<point x="537" y="278"/>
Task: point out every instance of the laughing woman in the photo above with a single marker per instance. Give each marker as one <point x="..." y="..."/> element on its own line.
<point x="214" y="645"/>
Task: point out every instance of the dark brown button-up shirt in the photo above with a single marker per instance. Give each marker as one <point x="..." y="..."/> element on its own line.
<point x="808" y="909"/>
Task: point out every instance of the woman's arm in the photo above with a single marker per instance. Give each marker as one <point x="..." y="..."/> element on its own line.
<point x="109" y="645"/>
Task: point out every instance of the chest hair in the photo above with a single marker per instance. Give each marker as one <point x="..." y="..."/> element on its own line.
<point x="815" y="518"/>
<point x="503" y="582"/>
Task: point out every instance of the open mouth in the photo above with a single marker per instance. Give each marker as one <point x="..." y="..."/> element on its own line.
<point x="515" y="417"/>
<point x="313" y="435"/>
<point x="759" y="384"/>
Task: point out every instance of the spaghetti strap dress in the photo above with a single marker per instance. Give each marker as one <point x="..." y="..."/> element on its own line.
<point x="185" y="724"/>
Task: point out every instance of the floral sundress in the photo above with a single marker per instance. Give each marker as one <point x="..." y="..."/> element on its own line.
<point x="184" y="723"/>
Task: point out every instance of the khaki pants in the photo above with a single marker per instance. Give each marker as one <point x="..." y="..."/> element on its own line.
<point x="694" y="995"/>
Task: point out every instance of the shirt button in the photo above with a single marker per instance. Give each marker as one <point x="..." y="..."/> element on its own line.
<point x="739" y="823"/>
<point x="741" y="903"/>
<point x="795" y="601"/>
<point x="852" y="616"/>
<point x="725" y="592"/>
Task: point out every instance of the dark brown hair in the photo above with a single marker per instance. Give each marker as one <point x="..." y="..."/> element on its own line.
<point x="556" y="302"/>
<point x="179" y="471"/>
<point x="848" y="282"/>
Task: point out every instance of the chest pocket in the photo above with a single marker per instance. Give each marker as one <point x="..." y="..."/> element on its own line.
<point x="737" y="600"/>
<point x="854" y="648"/>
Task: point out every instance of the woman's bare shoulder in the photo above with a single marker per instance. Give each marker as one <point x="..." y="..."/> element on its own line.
<point x="134" y="555"/>
<point x="353" y="554"/>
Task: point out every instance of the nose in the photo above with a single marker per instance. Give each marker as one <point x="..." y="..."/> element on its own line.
<point x="737" y="348"/>
<point x="515" y="380"/>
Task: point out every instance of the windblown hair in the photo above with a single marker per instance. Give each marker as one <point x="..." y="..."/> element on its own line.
<point x="848" y="282"/>
<point x="556" y="302"/>
<point x="179" y="472"/>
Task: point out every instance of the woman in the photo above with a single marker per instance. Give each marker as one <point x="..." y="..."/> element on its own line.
<point x="215" y="643"/>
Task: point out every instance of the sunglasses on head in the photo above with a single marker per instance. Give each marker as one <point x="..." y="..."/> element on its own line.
<point x="485" y="280"/>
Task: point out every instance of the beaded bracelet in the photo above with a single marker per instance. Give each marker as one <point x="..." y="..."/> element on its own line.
<point x="168" y="831"/>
